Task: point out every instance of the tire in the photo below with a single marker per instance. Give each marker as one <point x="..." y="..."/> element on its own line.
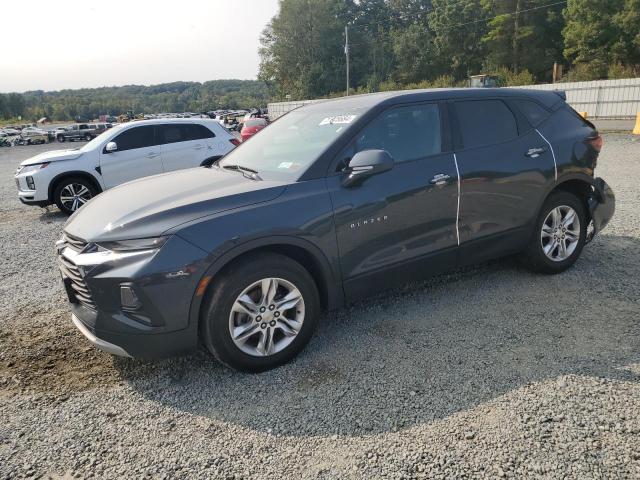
<point x="68" y="184"/>
<point x="61" y="138"/>
<point x="87" y="137"/>
<point x="217" y="318"/>
<point x="535" y="257"/>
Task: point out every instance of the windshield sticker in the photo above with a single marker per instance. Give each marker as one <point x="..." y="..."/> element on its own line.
<point x="338" y="119"/>
<point x="285" y="165"/>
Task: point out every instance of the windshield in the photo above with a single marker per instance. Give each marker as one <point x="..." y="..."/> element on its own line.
<point x="100" y="138"/>
<point x="286" y="148"/>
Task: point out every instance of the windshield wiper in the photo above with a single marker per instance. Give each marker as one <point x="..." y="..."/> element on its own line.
<point x="246" y="171"/>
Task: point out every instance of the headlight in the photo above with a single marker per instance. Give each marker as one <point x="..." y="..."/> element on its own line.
<point x="31" y="168"/>
<point x="134" y="244"/>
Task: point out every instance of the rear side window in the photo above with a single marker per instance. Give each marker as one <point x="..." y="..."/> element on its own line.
<point x="198" y="132"/>
<point x="535" y="113"/>
<point x="485" y="122"/>
<point x="407" y="133"/>
<point x="184" y="132"/>
<point x="137" y="137"/>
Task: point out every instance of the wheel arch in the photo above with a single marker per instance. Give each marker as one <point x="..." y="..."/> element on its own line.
<point x="302" y="251"/>
<point x="580" y="185"/>
<point x="73" y="173"/>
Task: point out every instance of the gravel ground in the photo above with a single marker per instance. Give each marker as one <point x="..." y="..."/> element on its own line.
<point x="488" y="372"/>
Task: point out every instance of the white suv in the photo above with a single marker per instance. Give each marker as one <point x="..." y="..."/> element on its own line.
<point x="69" y="178"/>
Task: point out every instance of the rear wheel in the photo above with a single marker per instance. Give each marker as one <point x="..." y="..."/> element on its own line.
<point x="87" y="137"/>
<point x="261" y="312"/>
<point x="61" y="138"/>
<point x="559" y="234"/>
<point x="72" y="193"/>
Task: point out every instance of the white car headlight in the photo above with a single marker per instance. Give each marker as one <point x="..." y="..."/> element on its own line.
<point x="31" y="168"/>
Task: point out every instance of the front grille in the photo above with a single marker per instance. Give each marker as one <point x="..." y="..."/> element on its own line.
<point x="76" y="284"/>
<point x="74" y="243"/>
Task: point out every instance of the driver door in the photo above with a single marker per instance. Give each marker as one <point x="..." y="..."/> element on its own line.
<point x="138" y="155"/>
<point x="401" y="224"/>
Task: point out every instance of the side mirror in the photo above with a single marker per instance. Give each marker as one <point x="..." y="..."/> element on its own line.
<point x="365" y="164"/>
<point x="111" y="147"/>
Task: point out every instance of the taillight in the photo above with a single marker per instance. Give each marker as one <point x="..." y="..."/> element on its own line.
<point x="596" y="142"/>
<point x="235" y="141"/>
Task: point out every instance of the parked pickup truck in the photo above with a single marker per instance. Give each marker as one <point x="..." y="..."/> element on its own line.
<point x="79" y="131"/>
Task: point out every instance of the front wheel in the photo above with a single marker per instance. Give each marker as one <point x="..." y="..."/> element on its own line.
<point x="260" y="313"/>
<point x="559" y="234"/>
<point x="87" y="137"/>
<point x="61" y="138"/>
<point x="72" y="193"/>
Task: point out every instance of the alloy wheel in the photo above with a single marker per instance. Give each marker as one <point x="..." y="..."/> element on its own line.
<point x="560" y="233"/>
<point x="74" y="195"/>
<point x="266" y="317"/>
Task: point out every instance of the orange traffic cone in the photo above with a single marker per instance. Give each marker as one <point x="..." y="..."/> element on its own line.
<point x="583" y="114"/>
<point x="636" y="129"/>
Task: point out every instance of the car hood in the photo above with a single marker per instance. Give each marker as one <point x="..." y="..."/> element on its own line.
<point x="52" y="156"/>
<point x="150" y="206"/>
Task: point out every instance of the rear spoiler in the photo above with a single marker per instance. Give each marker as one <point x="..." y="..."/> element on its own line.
<point x="562" y="94"/>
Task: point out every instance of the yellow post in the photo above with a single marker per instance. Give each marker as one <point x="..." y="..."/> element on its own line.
<point x="583" y="114"/>
<point x="636" y="129"/>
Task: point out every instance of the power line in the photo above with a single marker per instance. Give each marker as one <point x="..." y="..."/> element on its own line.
<point x="446" y="27"/>
<point x="518" y="12"/>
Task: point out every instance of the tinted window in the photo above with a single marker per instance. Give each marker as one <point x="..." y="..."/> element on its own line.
<point x="483" y="122"/>
<point x="534" y="112"/>
<point x="197" y="132"/>
<point x="137" y="137"/>
<point x="184" y="133"/>
<point x="407" y="133"/>
<point x="172" y="133"/>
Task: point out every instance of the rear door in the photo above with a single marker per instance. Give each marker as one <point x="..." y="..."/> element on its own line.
<point x="185" y="145"/>
<point x="138" y="155"/>
<point x="400" y="224"/>
<point x="504" y="166"/>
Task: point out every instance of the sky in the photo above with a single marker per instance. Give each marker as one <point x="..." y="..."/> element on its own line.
<point x="80" y="43"/>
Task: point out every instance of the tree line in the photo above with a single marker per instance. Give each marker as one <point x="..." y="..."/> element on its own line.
<point x="423" y="43"/>
<point x="89" y="103"/>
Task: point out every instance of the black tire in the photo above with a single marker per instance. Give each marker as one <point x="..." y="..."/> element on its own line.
<point x="87" y="137"/>
<point x="214" y="324"/>
<point x="68" y="181"/>
<point x="61" y="138"/>
<point x="534" y="256"/>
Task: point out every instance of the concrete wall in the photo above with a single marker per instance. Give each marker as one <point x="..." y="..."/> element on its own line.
<point x="599" y="98"/>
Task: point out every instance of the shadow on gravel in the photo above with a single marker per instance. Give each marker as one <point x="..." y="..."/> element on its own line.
<point x="53" y="359"/>
<point x="427" y="351"/>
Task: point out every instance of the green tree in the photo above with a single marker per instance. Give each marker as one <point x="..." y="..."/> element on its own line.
<point x="591" y="33"/>
<point x="302" y="48"/>
<point x="457" y="36"/>
<point x="523" y="34"/>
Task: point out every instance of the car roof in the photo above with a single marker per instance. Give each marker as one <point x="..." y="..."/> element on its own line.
<point x="369" y="100"/>
<point x="155" y="121"/>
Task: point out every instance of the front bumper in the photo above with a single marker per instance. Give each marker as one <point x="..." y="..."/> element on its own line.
<point x="97" y="342"/>
<point x="602" y="206"/>
<point x="164" y="281"/>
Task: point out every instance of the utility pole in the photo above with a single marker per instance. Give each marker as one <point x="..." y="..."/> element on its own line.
<point x="346" y="52"/>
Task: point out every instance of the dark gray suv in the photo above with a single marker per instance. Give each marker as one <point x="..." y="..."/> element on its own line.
<point x="333" y="201"/>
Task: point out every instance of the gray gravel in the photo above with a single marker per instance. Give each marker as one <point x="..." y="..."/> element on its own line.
<point x="488" y="372"/>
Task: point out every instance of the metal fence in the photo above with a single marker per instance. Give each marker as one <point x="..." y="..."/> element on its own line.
<point x="599" y="98"/>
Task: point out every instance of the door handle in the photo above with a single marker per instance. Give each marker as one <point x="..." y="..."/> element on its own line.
<point x="440" y="179"/>
<point x="198" y="147"/>
<point x="535" y="152"/>
<point x="153" y="155"/>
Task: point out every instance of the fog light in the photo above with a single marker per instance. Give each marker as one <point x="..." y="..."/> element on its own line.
<point x="128" y="298"/>
<point x="30" y="183"/>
